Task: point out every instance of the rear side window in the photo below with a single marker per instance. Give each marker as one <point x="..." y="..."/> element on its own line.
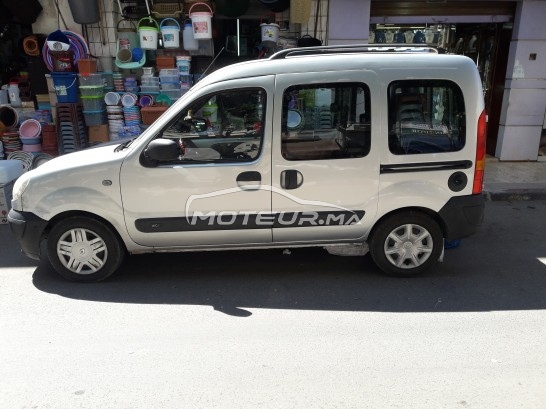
<point x="426" y="116"/>
<point x="327" y="121"/>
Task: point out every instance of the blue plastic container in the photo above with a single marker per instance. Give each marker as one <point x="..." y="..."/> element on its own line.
<point x="66" y="86"/>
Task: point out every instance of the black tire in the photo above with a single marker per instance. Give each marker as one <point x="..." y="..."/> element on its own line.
<point x="406" y="244"/>
<point x="84" y="249"/>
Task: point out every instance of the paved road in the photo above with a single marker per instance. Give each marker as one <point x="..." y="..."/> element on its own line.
<point x="269" y="330"/>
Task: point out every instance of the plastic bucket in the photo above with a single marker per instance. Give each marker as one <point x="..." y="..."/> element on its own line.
<point x="66" y="86"/>
<point x="127" y="36"/>
<point x="9" y="116"/>
<point x="270" y="33"/>
<point x="84" y="11"/>
<point x="201" y="22"/>
<point x="190" y="42"/>
<point x="148" y="34"/>
<point x="170" y="34"/>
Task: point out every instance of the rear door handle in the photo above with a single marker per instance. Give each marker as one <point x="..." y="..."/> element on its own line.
<point x="249" y="180"/>
<point x="291" y="179"/>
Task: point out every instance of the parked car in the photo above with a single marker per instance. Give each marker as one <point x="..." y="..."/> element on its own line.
<point x="343" y="147"/>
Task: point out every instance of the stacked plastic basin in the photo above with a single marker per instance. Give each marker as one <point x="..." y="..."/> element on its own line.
<point x="92" y="97"/>
<point x="30" y="135"/>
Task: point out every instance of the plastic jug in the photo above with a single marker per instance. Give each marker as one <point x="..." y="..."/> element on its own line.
<point x="190" y="42"/>
<point x="14" y="97"/>
<point x="4" y="95"/>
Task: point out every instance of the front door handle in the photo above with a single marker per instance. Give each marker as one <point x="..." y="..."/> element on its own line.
<point x="291" y="179"/>
<point x="249" y="180"/>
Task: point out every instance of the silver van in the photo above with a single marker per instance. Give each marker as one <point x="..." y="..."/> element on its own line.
<point x="344" y="147"/>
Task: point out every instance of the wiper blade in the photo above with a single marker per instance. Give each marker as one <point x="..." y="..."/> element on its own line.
<point x="124" y="144"/>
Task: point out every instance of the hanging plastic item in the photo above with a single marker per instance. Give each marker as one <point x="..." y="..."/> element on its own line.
<point x="201" y="22"/>
<point x="170" y="33"/>
<point x="190" y="42"/>
<point x="148" y="33"/>
<point x="127" y="36"/>
<point x="270" y="33"/>
<point x="85" y="11"/>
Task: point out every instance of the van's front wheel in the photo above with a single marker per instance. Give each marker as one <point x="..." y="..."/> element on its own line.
<point x="84" y="249"/>
<point x="406" y="244"/>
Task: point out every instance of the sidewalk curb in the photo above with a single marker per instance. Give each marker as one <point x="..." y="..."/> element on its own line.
<point x="512" y="195"/>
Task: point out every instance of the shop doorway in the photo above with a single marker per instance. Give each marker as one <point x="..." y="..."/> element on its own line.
<point x="487" y="45"/>
<point x="482" y="30"/>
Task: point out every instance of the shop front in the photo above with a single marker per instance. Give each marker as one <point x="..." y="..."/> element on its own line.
<point x="479" y="30"/>
<point x="501" y="37"/>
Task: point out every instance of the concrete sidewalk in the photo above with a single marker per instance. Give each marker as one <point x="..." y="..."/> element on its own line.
<point x="514" y="180"/>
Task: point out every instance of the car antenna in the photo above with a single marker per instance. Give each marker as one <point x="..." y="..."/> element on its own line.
<point x="211" y="64"/>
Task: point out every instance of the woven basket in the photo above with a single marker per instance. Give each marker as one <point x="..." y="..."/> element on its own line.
<point x="167" y="10"/>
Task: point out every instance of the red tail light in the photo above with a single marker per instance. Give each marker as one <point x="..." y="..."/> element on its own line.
<point x="480" y="155"/>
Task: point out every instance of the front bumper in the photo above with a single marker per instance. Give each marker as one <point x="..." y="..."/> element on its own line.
<point x="28" y="229"/>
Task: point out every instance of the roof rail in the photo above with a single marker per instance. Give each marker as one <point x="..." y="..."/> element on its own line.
<point x="352" y="48"/>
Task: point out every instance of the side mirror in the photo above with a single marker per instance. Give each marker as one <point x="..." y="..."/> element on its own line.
<point x="160" y="150"/>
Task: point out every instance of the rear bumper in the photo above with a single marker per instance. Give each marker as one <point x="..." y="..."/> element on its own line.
<point x="28" y="229"/>
<point x="462" y="215"/>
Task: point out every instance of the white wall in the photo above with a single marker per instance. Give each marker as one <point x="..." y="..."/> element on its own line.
<point x="101" y="37"/>
<point x="524" y="101"/>
<point x="348" y="21"/>
<point x="48" y="20"/>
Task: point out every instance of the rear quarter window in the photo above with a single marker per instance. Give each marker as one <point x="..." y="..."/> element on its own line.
<point x="426" y="116"/>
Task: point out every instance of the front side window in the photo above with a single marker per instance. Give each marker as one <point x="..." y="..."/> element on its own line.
<point x="222" y="127"/>
<point x="328" y="121"/>
<point x="426" y="116"/>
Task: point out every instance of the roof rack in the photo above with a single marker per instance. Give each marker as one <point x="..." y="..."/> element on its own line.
<point x="364" y="48"/>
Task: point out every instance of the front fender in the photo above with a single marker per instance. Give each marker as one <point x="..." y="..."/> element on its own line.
<point x="106" y="204"/>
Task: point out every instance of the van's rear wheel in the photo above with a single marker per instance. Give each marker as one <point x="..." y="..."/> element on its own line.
<point x="84" y="249"/>
<point x="406" y="244"/>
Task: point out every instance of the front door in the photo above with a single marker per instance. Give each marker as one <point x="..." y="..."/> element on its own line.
<point x="210" y="194"/>
<point x="325" y="177"/>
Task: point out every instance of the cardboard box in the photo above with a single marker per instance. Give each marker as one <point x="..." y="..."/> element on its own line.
<point x="6" y="192"/>
<point x="98" y="133"/>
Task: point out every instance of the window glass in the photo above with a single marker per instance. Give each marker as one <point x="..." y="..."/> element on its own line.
<point x="329" y="121"/>
<point x="223" y="127"/>
<point x="426" y="116"/>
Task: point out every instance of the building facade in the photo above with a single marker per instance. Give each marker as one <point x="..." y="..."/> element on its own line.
<point x="506" y="39"/>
